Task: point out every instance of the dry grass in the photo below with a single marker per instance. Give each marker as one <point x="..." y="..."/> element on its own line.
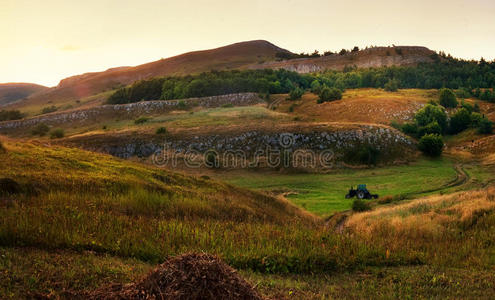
<point x="360" y="105"/>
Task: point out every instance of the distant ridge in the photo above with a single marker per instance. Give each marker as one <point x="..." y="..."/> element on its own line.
<point x="367" y="58"/>
<point x="11" y="92"/>
<point x="235" y="56"/>
<point x="257" y="54"/>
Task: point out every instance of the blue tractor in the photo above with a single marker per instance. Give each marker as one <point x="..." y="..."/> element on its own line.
<point x="361" y="193"/>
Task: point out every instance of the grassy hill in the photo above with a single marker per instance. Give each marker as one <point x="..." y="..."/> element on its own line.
<point x="11" y="92"/>
<point x="76" y="220"/>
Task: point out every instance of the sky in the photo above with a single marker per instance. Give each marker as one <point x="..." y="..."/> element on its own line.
<point x="45" y="41"/>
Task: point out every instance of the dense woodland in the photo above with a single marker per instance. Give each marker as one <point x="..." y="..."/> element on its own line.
<point x="471" y="78"/>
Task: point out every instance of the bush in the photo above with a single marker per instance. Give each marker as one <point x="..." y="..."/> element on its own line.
<point x="2" y="148"/>
<point x="57" y="133"/>
<point x="433" y="127"/>
<point x="161" y="130"/>
<point x="429" y="114"/>
<point x="329" y="94"/>
<point x="431" y="144"/>
<point x="48" y="109"/>
<point x="362" y="154"/>
<point x="141" y="120"/>
<point x="7" y="115"/>
<point x="392" y="85"/>
<point x="447" y="98"/>
<point x="41" y="129"/>
<point x="315" y="87"/>
<point x="410" y="128"/>
<point x="182" y="105"/>
<point x="359" y="205"/>
<point x="460" y="121"/>
<point x="467" y="106"/>
<point x="296" y="93"/>
<point x="476" y="107"/>
<point x="463" y="93"/>
<point x="227" y="105"/>
<point x="485" y="126"/>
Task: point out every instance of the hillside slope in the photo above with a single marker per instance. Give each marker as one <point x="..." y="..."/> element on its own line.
<point x="10" y="92"/>
<point x="228" y="57"/>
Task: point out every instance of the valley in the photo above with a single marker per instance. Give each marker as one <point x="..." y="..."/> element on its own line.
<point x="230" y="153"/>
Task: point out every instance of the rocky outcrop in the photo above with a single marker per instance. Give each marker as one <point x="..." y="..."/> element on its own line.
<point x="336" y="142"/>
<point x="368" y="58"/>
<point x="84" y="116"/>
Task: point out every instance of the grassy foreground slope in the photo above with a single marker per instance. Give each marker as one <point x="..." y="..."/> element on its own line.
<point x="78" y="220"/>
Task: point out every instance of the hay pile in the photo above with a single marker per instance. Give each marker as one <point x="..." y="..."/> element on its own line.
<point x="189" y="276"/>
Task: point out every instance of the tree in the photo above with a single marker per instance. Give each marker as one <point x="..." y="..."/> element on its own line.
<point x="429" y="114"/>
<point x="355" y="49"/>
<point x="485" y="126"/>
<point x="460" y="121"/>
<point x="392" y="85"/>
<point x="315" y="87"/>
<point x="41" y="129"/>
<point x="433" y="127"/>
<point x="431" y="144"/>
<point x="342" y="52"/>
<point x="329" y="94"/>
<point x="57" y="133"/>
<point x="447" y="98"/>
<point x="296" y="93"/>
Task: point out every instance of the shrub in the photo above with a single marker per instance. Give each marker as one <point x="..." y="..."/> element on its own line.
<point x="181" y="105"/>
<point x="291" y="108"/>
<point x="161" y="130"/>
<point x="429" y="114"/>
<point x="7" y="115"/>
<point x="363" y="154"/>
<point x="392" y="85"/>
<point x="2" y="148"/>
<point x="359" y="205"/>
<point x="410" y="128"/>
<point x="467" y="106"/>
<point x="431" y="144"/>
<point x="57" y="133"/>
<point x="447" y="98"/>
<point x="329" y="94"/>
<point x="227" y="105"/>
<point x="485" y="126"/>
<point x="48" y="109"/>
<point x="296" y="93"/>
<point x="475" y="119"/>
<point x="460" y="121"/>
<point x="463" y="93"/>
<point x="476" y="107"/>
<point x="315" y="87"/>
<point x="433" y="127"/>
<point x="141" y="120"/>
<point x="41" y="129"/>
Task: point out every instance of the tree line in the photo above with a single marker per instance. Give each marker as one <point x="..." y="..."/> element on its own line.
<point x="468" y="78"/>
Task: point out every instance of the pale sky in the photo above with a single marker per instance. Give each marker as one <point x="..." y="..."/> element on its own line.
<point x="44" y="41"/>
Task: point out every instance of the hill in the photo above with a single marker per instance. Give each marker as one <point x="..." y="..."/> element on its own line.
<point x="11" y="92"/>
<point x="228" y="57"/>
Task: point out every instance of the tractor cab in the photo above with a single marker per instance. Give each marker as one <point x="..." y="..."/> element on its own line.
<point x="360" y="192"/>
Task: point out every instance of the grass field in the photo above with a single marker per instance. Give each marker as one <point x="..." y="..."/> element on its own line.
<point x="323" y="194"/>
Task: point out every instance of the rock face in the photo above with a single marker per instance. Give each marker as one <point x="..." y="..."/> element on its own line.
<point x="131" y="110"/>
<point x="368" y="58"/>
<point x="246" y="146"/>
